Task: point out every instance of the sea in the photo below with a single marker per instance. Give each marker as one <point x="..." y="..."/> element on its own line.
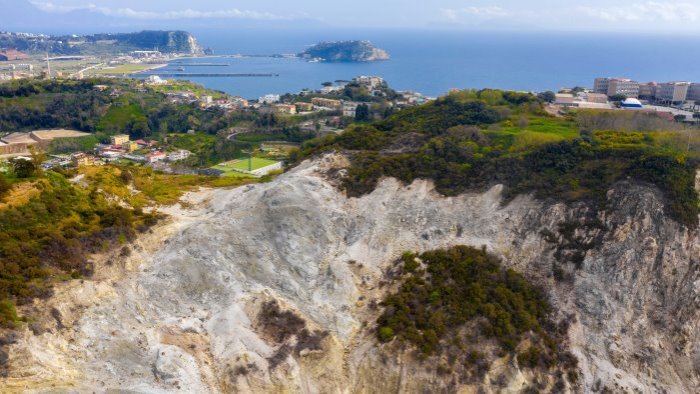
<point x="432" y="62"/>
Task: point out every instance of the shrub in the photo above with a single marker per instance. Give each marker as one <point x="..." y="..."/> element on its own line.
<point x="8" y="313"/>
<point x="4" y="186"/>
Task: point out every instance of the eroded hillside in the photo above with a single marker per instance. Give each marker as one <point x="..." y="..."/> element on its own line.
<point x="275" y="287"/>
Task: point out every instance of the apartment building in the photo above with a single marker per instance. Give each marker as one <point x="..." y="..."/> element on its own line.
<point x="674" y="92"/>
<point x="694" y="92"/>
<point x="647" y="90"/>
<point x="614" y="86"/>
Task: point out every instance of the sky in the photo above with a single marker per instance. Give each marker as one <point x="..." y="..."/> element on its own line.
<point x="582" y="15"/>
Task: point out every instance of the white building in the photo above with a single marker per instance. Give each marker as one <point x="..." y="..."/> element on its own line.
<point x="332" y="89"/>
<point x="156" y="157"/>
<point x="269" y="99"/>
<point x="181" y="154"/>
<point x="673" y="92"/>
<point x="350" y="108"/>
<point x="156" y="80"/>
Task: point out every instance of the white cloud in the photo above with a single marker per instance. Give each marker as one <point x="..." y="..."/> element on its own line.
<point x="233" y="13"/>
<point x="458" y="14"/>
<point x="649" y="11"/>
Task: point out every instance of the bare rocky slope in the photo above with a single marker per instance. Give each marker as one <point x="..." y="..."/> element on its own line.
<point x="270" y="287"/>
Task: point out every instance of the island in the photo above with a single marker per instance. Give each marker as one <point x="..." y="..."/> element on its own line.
<point x="344" y="51"/>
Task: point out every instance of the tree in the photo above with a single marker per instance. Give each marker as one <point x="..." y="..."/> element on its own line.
<point x="24" y="168"/>
<point x="618" y="97"/>
<point x="547" y="96"/>
<point x="362" y="113"/>
<point x="327" y="84"/>
<point x="4" y="185"/>
<point x="38" y="157"/>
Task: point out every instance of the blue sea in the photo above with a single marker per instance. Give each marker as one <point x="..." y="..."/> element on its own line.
<point x="432" y="62"/>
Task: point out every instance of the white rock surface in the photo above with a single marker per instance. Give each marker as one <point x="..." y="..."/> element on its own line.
<point x="182" y="315"/>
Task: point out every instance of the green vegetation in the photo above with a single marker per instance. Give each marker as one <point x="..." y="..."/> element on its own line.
<point x="122" y="69"/>
<point x="472" y="140"/>
<point x="123" y="107"/>
<point x="207" y="149"/>
<point x="344" y="51"/>
<point x="178" y="85"/>
<point x="50" y="230"/>
<point x="155" y="188"/>
<point x="442" y="291"/>
<point x="118" y="118"/>
<point x="70" y="145"/>
<point x="55" y="232"/>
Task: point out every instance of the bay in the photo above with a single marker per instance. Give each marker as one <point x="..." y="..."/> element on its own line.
<point x="434" y="61"/>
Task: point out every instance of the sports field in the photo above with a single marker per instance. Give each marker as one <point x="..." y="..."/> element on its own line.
<point x="232" y="167"/>
<point x="242" y="164"/>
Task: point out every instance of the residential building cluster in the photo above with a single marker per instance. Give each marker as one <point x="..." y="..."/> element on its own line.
<point x="122" y="147"/>
<point x="675" y="92"/>
<point x="326" y="99"/>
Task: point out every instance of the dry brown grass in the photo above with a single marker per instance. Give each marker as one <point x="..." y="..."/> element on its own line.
<point x="20" y="194"/>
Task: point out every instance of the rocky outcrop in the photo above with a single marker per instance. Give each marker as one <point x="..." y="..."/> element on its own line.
<point x="273" y="287"/>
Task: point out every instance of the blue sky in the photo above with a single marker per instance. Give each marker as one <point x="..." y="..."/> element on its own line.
<point x="593" y="15"/>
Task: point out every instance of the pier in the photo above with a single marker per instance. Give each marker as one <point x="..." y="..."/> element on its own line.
<point x="182" y="64"/>
<point x="187" y="74"/>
